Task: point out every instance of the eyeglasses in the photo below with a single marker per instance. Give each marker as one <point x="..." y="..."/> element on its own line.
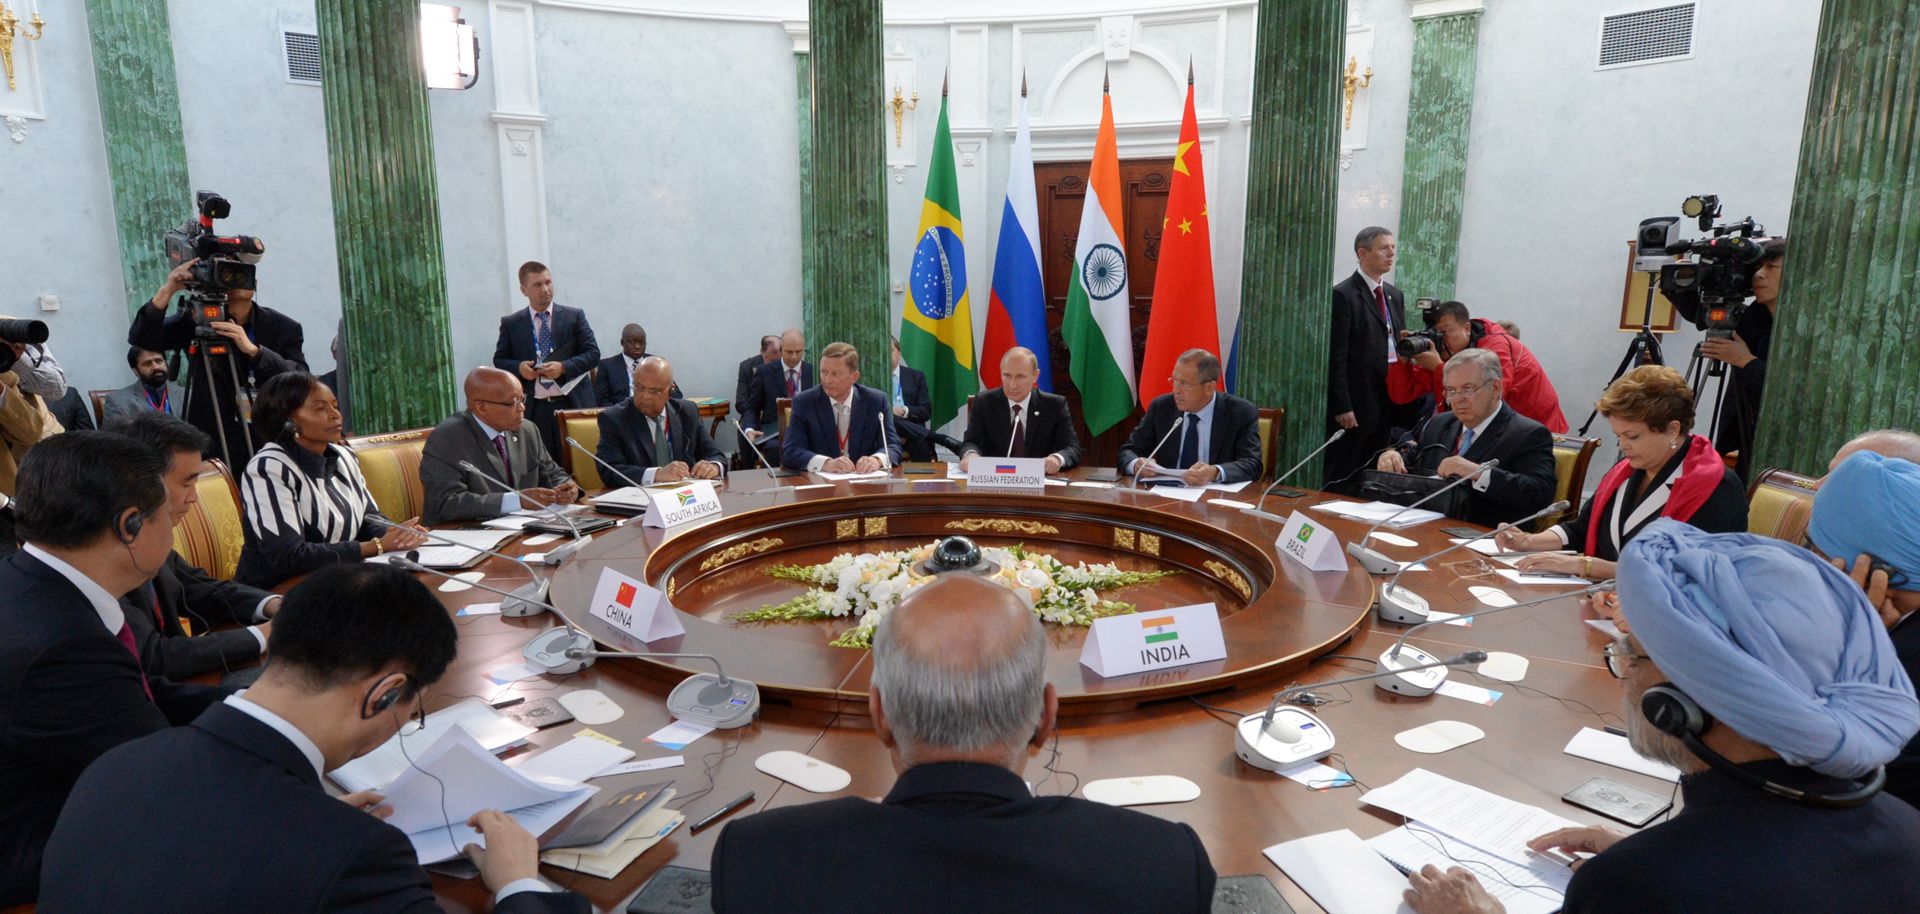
<point x="1467" y="391"/>
<point x="515" y="403"/>
<point x="1620" y="658"/>
<point x="1187" y="384"/>
<point x="651" y="391"/>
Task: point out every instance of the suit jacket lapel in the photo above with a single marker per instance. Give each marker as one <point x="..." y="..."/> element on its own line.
<point x="636" y="425"/>
<point x="1484" y="443"/>
<point x="485" y="446"/>
<point x="1217" y="436"/>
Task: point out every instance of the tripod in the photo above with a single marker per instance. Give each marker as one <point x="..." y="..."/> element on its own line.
<point x="1700" y="371"/>
<point x="1643" y="349"/>
<point x="206" y="346"/>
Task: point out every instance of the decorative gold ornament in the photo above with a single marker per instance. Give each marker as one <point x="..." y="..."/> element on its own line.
<point x="1351" y="84"/>
<point x="1149" y="544"/>
<point x="899" y="104"/>
<point x="10" y="29"/>
<point x="846" y="529"/>
<point x="875" y="526"/>
<point x="1231" y="577"/>
<point x="1002" y="525"/>
<point x="1123" y="538"/>
<point x="739" y="550"/>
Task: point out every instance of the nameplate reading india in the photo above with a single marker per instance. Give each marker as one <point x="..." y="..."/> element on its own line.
<point x="635" y="608"/>
<point x="1310" y="544"/>
<point x="1153" y="640"/>
<point x="682" y="504"/>
<point x="1007" y="472"/>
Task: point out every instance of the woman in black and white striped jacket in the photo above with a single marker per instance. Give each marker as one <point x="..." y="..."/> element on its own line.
<point x="306" y="503"/>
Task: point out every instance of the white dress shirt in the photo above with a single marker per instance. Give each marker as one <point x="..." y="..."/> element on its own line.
<point x="1203" y="421"/>
<point x="1481" y="482"/>
<point x="820" y="460"/>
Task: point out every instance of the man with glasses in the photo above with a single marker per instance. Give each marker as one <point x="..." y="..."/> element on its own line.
<point x="1218" y="440"/>
<point x="1479" y="426"/>
<point x="654" y="437"/>
<point x="494" y="434"/>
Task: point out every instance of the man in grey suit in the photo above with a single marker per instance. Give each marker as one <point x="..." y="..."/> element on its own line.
<point x="152" y="392"/>
<point x="492" y="433"/>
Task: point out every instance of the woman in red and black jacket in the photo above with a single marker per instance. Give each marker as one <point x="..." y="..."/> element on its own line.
<point x="1528" y="390"/>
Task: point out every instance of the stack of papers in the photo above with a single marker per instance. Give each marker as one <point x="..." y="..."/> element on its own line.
<point x="1610" y="749"/>
<point x="435" y="554"/>
<point x="1456" y="824"/>
<point x="444" y="786"/>
<point x="1378" y="512"/>
<point x="1338" y="872"/>
<point x="487" y="727"/>
<point x="626" y="847"/>
<point x="842" y="477"/>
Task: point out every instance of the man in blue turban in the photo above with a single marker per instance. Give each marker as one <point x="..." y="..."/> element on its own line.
<point x="1866" y="517"/>
<point x="1761" y="673"/>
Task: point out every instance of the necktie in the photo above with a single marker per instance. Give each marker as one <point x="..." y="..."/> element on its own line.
<point x="840" y="422"/>
<point x="500" y="447"/>
<point x="793" y="382"/>
<point x="126" y="640"/>
<point x="1466" y="440"/>
<point x="544" y="347"/>
<point x="1380" y="298"/>
<point x="1190" y="442"/>
<point x="899" y="399"/>
<point x="1019" y="443"/>
<point x="662" y="449"/>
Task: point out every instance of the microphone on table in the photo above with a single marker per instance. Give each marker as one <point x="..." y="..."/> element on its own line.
<point x="773" y="469"/>
<point x="715" y="699"/>
<point x="1398" y="604"/>
<point x="555" y="556"/>
<point x="886" y="449"/>
<point x="526" y="600"/>
<point x="1430" y="678"/>
<point x="1373" y="561"/>
<point x="1177" y="422"/>
<point x="1338" y="433"/>
<point x="1283" y="737"/>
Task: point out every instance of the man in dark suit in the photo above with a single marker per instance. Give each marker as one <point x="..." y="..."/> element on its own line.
<point x="760" y="410"/>
<point x="1479" y="427"/>
<point x="912" y="407"/>
<point x="1218" y="440"/>
<point x="613" y="380"/>
<point x="653" y="437"/>
<point x="150" y="391"/>
<point x="1368" y="315"/>
<point x="547" y="346"/>
<point x="492" y="433"/>
<point x="181" y="590"/>
<point x="750" y="367"/>
<point x="1016" y="420"/>
<point x="352" y="652"/>
<point x="840" y="426"/>
<point x="93" y="513"/>
<point x="960" y="697"/>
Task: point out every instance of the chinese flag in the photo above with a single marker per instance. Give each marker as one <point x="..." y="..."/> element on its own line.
<point x="1183" y="315"/>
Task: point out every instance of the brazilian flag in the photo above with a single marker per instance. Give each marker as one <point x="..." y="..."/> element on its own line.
<point x="936" y="330"/>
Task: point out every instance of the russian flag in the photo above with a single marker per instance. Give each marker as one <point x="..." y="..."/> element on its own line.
<point x="1003" y="468"/>
<point x="1016" y="305"/>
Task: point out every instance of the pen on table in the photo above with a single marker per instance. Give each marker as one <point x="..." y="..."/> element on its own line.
<point x="1616" y="731"/>
<point x="717" y="814"/>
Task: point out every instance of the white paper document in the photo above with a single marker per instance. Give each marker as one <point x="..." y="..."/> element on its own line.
<point x="1608" y="749"/>
<point x="447" y="555"/>
<point x="1377" y="512"/>
<point x="377" y="769"/>
<point x="645" y="764"/>
<point x="1521" y="577"/>
<point x="509" y="522"/>
<point x="576" y="759"/>
<point x="455" y="778"/>
<point x="443" y="843"/>
<point x="1485" y="820"/>
<point x="841" y="477"/>
<point x="1341" y="874"/>
<point x="1538" y="887"/>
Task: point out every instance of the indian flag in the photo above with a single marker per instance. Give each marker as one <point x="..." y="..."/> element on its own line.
<point x="1099" y="340"/>
<point x="936" y="329"/>
<point x="1159" y="629"/>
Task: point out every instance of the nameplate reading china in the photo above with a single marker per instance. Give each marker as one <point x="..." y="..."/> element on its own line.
<point x="1310" y="543"/>
<point x="681" y="504"/>
<point x="1007" y="472"/>
<point x="633" y="607"/>
<point x="1153" y="640"/>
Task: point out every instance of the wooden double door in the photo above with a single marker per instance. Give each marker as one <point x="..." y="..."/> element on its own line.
<point x="1144" y="184"/>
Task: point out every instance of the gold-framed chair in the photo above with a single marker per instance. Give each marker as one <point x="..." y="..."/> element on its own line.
<point x="1271" y="419"/>
<point x="391" y="465"/>
<point x="211" y="535"/>
<point x="99" y="400"/>
<point x="1572" y="455"/>
<point x="1779" y="504"/>
<point x="785" y="406"/>
<point x="582" y="425"/>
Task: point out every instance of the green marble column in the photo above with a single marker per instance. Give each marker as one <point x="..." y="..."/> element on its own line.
<point x="1439" y="111"/>
<point x="386" y="214"/>
<point x="1846" y="341"/>
<point x="803" y="69"/>
<point x="848" y="181"/>
<point x="140" y="117"/>
<point x="1292" y="181"/>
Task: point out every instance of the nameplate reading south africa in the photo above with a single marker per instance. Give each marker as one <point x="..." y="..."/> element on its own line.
<point x="682" y="504"/>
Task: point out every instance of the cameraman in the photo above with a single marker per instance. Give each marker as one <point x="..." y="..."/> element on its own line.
<point x="1746" y="352"/>
<point x="261" y="342"/>
<point x="1528" y="391"/>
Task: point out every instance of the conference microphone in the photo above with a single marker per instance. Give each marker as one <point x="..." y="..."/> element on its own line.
<point x="886" y="448"/>
<point x="1338" y="433"/>
<point x="773" y="469"/>
<point x="554" y="556"/>
<point x="1398" y="604"/>
<point x="1177" y="421"/>
<point x="715" y="699"/>
<point x="1393" y="674"/>
<point x="1373" y="561"/>
<point x="526" y="600"/>
<point x="1282" y="737"/>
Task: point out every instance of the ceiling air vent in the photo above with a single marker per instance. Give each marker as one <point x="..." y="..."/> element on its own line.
<point x="303" y="57"/>
<point x="1646" y="36"/>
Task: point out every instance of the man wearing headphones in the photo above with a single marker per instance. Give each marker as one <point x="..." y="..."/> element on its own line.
<point x="1764" y="675"/>
<point x="91" y="512"/>
<point x="352" y="649"/>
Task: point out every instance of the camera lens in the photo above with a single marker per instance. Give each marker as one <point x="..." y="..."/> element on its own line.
<point x="23" y="331"/>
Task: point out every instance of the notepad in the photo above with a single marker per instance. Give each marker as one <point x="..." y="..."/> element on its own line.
<point x="1341" y="874"/>
<point x="1535" y="888"/>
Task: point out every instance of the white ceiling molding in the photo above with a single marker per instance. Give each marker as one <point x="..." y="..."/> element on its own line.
<point x="898" y="12"/>
<point x="1424" y="9"/>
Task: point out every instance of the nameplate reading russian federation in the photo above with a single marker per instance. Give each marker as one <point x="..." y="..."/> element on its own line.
<point x="681" y="504"/>
<point x="633" y="607"/>
<point x="1153" y="640"/>
<point x="1310" y="543"/>
<point x="1007" y="472"/>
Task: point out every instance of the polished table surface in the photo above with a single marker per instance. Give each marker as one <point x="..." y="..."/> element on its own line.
<point x="1240" y="811"/>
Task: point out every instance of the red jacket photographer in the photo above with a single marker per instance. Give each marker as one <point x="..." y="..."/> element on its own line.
<point x="1528" y="390"/>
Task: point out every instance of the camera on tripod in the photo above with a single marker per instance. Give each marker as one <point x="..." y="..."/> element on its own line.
<point x="224" y="263"/>
<point x="1721" y="273"/>
<point x="1419" y="341"/>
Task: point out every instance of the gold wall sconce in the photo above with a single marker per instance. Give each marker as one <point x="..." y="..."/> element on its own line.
<point x="900" y="104"/>
<point x="9" y="29"/>
<point x="1351" y="84"/>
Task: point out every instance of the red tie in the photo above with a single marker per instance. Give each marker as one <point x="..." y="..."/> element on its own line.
<point x="126" y="640"/>
<point x="793" y="381"/>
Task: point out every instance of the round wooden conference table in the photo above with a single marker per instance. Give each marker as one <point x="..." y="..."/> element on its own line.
<point x="1282" y="624"/>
